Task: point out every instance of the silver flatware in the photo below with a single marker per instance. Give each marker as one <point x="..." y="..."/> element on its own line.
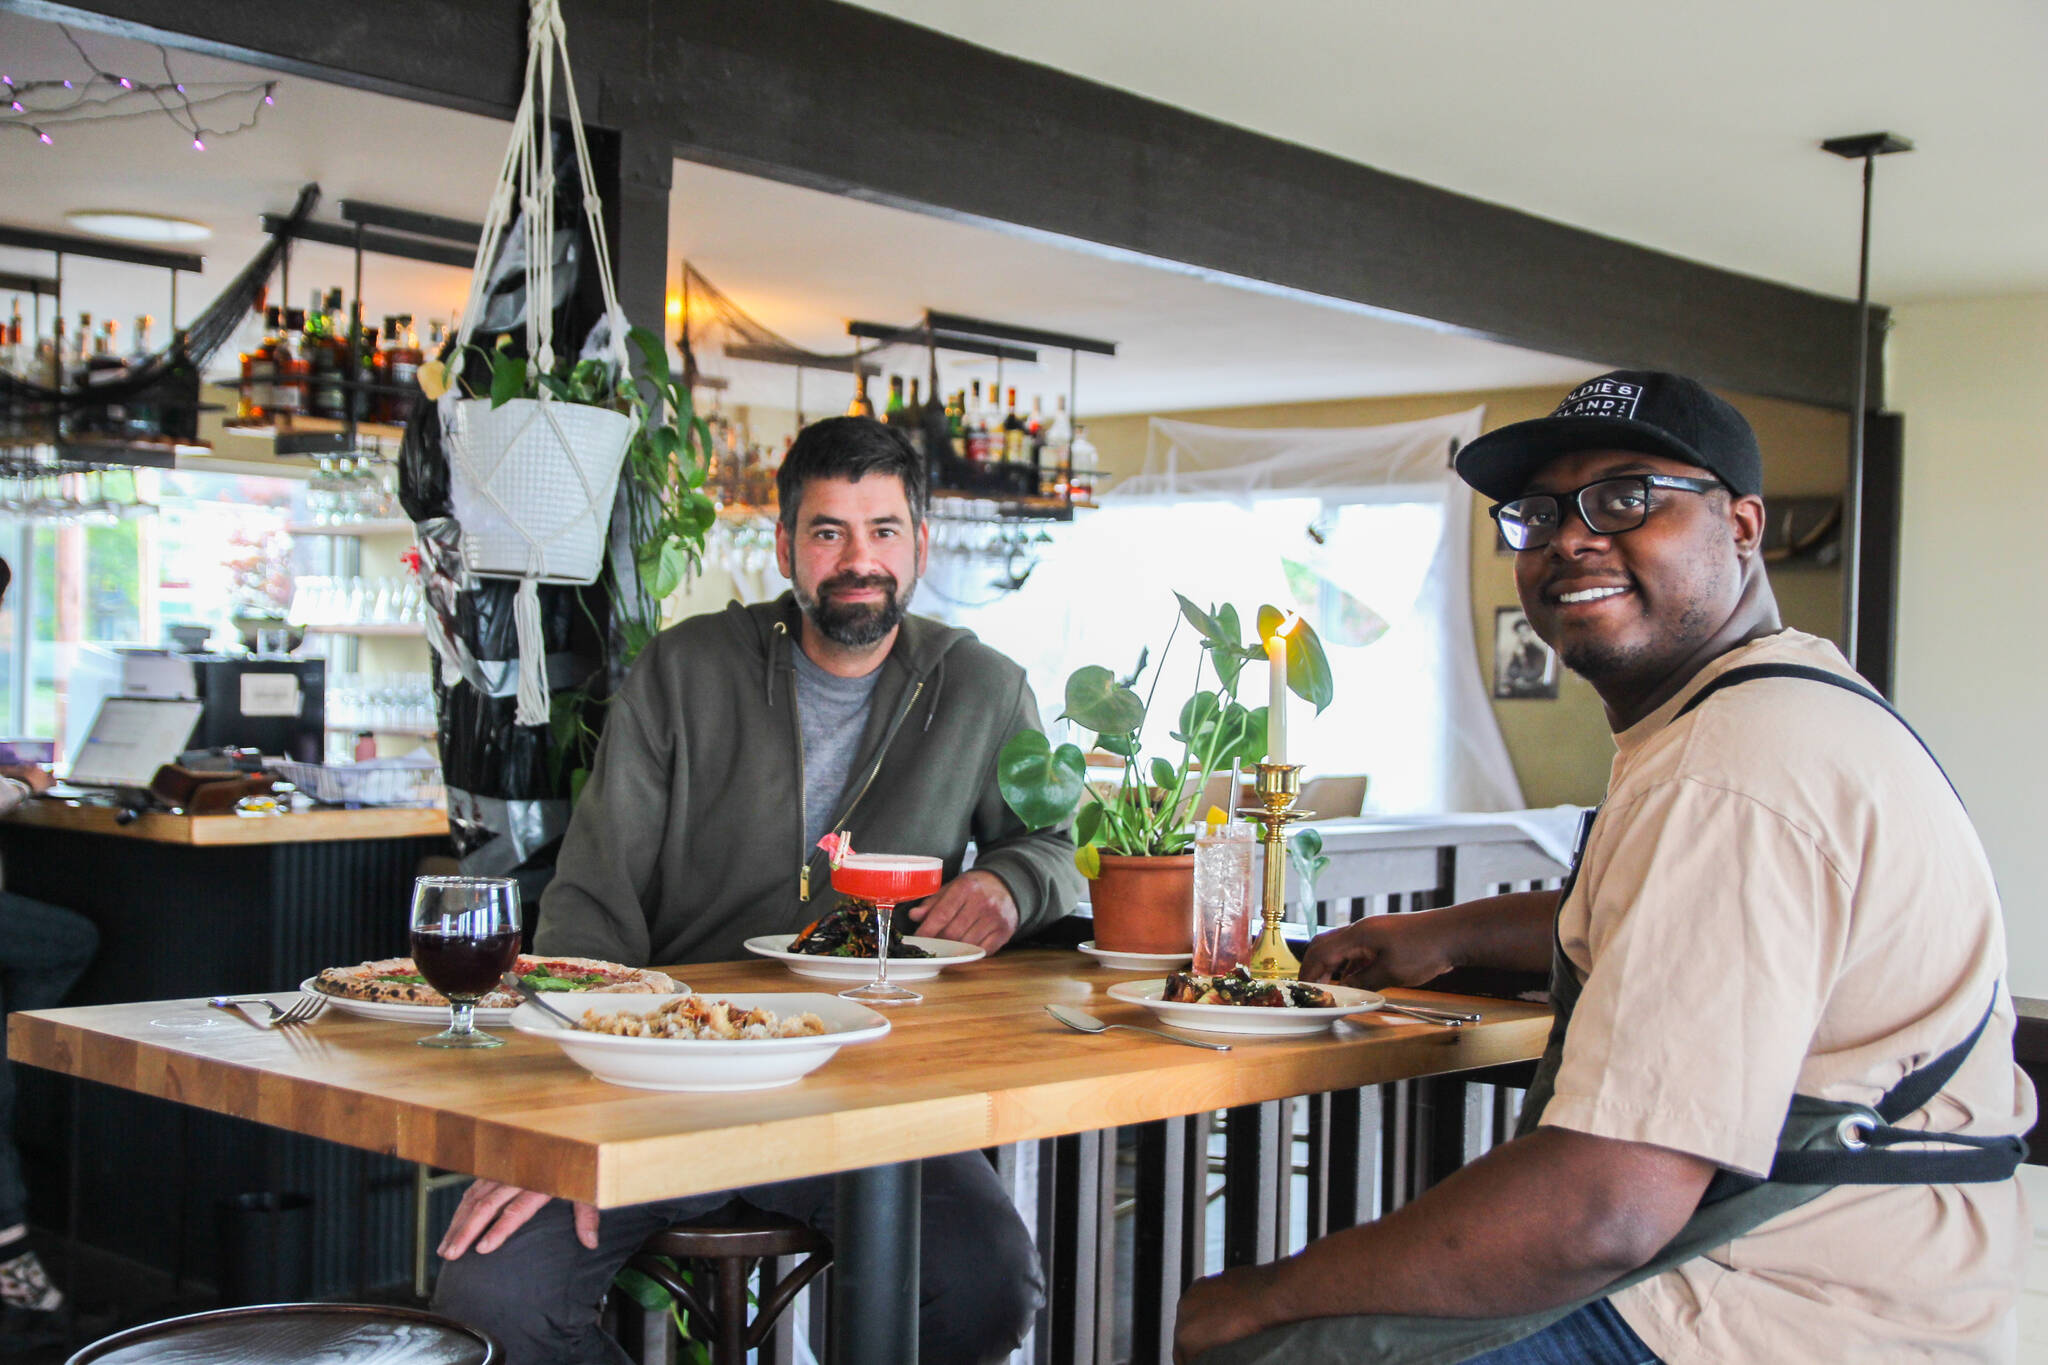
<point x="1448" y="1018"/>
<point x="304" y="1010"/>
<point x="1085" y="1022"/>
<point x="513" y="982"/>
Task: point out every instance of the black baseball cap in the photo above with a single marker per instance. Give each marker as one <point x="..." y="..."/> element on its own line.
<point x="1641" y="410"/>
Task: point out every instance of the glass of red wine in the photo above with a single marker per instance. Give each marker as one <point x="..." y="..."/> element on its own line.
<point x="465" y="935"/>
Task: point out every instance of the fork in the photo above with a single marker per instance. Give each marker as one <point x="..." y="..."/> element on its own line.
<point x="304" y="1010"/>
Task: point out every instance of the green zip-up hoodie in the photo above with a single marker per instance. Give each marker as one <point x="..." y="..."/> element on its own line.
<point x="688" y="838"/>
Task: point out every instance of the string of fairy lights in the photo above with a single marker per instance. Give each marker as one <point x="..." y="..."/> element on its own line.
<point x="39" y="106"/>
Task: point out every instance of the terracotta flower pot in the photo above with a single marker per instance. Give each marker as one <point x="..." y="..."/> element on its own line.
<point x="1145" y="905"/>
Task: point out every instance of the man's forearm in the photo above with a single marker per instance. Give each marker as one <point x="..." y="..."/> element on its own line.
<point x="1508" y="933"/>
<point x="1537" y="1223"/>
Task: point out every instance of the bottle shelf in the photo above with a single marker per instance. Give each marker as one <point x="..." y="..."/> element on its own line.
<point x="318" y="426"/>
<point x="373" y="629"/>
<point x="349" y="528"/>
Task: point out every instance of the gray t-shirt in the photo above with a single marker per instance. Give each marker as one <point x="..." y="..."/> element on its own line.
<point x="832" y="713"/>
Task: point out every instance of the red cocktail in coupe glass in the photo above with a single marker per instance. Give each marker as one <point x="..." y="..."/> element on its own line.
<point x="885" y="880"/>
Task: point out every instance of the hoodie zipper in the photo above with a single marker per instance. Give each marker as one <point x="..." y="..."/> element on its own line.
<point x="888" y="738"/>
<point x="803" y="814"/>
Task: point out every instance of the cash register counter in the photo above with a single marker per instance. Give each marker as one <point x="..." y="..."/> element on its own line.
<point x="213" y="905"/>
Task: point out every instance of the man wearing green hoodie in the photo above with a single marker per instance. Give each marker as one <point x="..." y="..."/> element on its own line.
<point x="739" y="739"/>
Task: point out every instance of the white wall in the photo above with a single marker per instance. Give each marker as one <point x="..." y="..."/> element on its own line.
<point x="1971" y="377"/>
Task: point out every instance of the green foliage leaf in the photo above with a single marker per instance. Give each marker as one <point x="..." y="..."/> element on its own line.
<point x="1123" y="746"/>
<point x="577" y="780"/>
<point x="1163" y="776"/>
<point x="1305" y="851"/>
<point x="1308" y="668"/>
<point x="508" y="379"/>
<point x="1040" y="783"/>
<point x="642" y="1290"/>
<point x="662" y="572"/>
<point x="1251" y="745"/>
<point x="1097" y="701"/>
<point x="1088" y="824"/>
<point x="1201" y="620"/>
<point x="653" y="353"/>
<point x="1088" y="857"/>
<point x="1197" y="718"/>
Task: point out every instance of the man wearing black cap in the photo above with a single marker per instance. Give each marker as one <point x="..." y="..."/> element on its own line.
<point x="1774" y="1120"/>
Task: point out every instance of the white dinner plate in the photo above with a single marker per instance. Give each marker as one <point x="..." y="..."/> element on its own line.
<point x="707" y="1063"/>
<point x="1246" y="1018"/>
<point x="944" y="953"/>
<point x="435" y="1016"/>
<point x="1135" y="962"/>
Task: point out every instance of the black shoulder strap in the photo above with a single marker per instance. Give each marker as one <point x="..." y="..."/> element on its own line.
<point x="1749" y="672"/>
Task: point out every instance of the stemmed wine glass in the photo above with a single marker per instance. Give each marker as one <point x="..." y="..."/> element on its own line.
<point x="885" y="880"/>
<point x="465" y="935"/>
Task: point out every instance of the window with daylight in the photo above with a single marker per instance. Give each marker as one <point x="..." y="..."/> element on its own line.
<point x="1364" y="531"/>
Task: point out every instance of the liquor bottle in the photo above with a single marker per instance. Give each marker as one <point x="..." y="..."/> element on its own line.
<point x="1013" y="432"/>
<point x="54" y="357"/>
<point x="324" y="358"/>
<point x="179" y="414"/>
<point x="893" y="412"/>
<point x="405" y="367"/>
<point x="81" y="354"/>
<point x="369" y="370"/>
<point x="1081" y="473"/>
<point x="956" y="420"/>
<point x="977" y="427"/>
<point x="145" y="418"/>
<point x="384" y="407"/>
<point x="913" y="418"/>
<point x="15" y="361"/>
<point x="860" y="406"/>
<point x="288" y="382"/>
<point x="1034" y="439"/>
<point x="259" y="369"/>
<point x="1059" y="437"/>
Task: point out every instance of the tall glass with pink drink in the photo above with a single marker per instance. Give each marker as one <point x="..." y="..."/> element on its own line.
<point x="885" y="880"/>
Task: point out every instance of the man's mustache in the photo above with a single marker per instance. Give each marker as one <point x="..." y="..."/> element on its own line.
<point x="856" y="582"/>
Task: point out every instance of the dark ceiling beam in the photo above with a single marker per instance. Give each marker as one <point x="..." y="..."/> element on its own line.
<point x="817" y="93"/>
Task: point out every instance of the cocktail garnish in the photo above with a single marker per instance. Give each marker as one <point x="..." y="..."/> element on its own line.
<point x="838" y="847"/>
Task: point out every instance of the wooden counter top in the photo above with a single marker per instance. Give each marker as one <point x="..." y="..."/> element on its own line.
<point x="978" y="1064"/>
<point x="300" y="827"/>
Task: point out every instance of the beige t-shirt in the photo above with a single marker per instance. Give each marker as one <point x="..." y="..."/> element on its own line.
<point x="1782" y="894"/>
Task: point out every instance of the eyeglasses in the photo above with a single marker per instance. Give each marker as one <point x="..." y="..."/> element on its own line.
<point x="1607" y="507"/>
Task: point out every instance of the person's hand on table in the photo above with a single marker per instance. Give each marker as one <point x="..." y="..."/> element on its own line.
<point x="36" y="778"/>
<point x="1221" y="1309"/>
<point x="492" y="1211"/>
<point x="975" y="907"/>
<point x="1381" y="950"/>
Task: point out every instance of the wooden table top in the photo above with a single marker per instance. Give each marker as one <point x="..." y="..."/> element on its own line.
<point x="316" y="826"/>
<point x="978" y="1064"/>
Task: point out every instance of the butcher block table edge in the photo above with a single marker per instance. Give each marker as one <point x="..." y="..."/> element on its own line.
<point x="978" y="1065"/>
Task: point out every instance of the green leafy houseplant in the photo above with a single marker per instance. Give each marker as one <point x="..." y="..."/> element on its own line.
<point x="1151" y="807"/>
<point x="665" y="470"/>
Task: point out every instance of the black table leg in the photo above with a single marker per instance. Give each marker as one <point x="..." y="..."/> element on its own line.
<point x="874" y="1265"/>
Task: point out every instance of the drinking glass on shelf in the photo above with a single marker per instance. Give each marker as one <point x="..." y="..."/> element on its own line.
<point x="465" y="935"/>
<point x="1223" y="897"/>
<point x="885" y="880"/>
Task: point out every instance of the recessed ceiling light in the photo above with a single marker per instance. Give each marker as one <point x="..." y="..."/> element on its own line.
<point x="138" y="227"/>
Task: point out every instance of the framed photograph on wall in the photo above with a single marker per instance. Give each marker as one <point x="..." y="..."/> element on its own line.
<point x="1523" y="665"/>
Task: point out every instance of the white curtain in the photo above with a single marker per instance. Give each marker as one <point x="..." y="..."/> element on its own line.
<point x="1365" y="530"/>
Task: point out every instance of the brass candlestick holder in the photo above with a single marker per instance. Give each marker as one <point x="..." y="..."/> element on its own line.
<point x="1277" y="784"/>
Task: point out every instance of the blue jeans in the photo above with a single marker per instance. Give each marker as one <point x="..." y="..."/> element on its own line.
<point x="43" y="950"/>
<point x="1594" y="1335"/>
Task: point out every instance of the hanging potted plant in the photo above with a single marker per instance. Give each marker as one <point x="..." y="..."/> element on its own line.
<point x="1133" y="838"/>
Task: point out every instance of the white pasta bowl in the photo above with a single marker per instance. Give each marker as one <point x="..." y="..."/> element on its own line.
<point x="704" y="1063"/>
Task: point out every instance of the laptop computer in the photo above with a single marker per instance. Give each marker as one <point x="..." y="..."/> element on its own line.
<point x="130" y="738"/>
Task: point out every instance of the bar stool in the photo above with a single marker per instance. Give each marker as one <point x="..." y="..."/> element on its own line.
<point x="728" y="1243"/>
<point x="292" y="1333"/>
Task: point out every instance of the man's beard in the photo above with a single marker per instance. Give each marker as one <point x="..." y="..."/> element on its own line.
<point x="856" y="625"/>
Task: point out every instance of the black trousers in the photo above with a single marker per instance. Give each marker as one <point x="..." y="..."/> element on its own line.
<point x="539" y="1294"/>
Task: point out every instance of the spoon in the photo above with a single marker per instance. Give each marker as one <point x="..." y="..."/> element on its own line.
<point x="533" y="997"/>
<point x="1088" y="1023"/>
